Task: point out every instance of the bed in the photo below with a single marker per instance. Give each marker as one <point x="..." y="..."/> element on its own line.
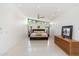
<point x="39" y="34"/>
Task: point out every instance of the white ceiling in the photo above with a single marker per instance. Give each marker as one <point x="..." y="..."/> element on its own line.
<point x="48" y="10"/>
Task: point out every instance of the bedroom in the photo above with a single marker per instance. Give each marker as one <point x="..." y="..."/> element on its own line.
<point x="28" y="29"/>
<point x="38" y="28"/>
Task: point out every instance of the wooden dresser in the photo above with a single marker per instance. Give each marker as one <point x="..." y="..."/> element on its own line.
<point x="71" y="47"/>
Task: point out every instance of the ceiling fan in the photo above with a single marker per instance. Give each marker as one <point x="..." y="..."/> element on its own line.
<point x="39" y="17"/>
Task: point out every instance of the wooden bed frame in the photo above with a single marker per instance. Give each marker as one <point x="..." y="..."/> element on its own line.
<point x="38" y="30"/>
<point x="38" y="38"/>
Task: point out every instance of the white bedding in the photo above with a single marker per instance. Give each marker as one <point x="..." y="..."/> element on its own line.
<point x="38" y="34"/>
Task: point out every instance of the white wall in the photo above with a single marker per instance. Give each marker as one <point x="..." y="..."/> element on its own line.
<point x="69" y="18"/>
<point x="12" y="27"/>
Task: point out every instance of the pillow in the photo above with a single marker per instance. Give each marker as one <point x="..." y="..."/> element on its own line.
<point x="41" y="31"/>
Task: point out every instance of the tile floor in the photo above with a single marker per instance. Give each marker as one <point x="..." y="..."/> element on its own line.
<point x="35" y="48"/>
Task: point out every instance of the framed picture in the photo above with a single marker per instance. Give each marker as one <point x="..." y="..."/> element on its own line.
<point x="67" y="31"/>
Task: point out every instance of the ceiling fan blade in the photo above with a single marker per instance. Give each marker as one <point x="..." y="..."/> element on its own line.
<point x="38" y="16"/>
<point x="42" y="17"/>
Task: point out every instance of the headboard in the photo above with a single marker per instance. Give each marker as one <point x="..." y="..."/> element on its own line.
<point x="38" y="30"/>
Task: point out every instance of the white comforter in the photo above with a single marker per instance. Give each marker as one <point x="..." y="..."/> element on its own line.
<point x="42" y="34"/>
